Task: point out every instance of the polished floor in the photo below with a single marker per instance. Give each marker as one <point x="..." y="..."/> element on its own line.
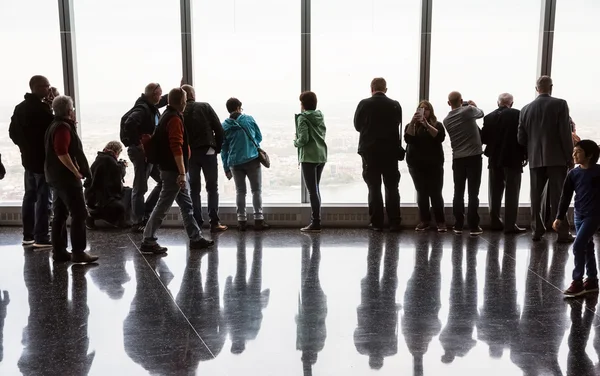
<point x="345" y="302"/>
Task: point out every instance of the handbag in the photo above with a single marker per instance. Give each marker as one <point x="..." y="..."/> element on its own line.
<point x="263" y="157"/>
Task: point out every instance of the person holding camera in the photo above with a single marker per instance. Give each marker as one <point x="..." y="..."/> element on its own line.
<point x="465" y="141"/>
<point x="105" y="196"/>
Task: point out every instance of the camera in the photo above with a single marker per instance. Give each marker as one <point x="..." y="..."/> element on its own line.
<point x="465" y="103"/>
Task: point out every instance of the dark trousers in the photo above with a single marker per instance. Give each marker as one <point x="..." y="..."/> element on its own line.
<point x="312" y="178"/>
<point x="429" y="182"/>
<point x="142" y="171"/>
<point x="501" y="180"/>
<point x="116" y="212"/>
<point x="69" y="200"/>
<point x="466" y="171"/>
<point x="554" y="176"/>
<point x="34" y="210"/>
<point x="207" y="165"/>
<point x="583" y="247"/>
<point x="376" y="166"/>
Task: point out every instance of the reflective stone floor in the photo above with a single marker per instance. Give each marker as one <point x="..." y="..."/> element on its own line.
<point x="346" y="302"/>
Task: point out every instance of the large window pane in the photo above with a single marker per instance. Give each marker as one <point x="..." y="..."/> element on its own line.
<point x="121" y="47"/>
<point x="30" y="45"/>
<point x="353" y="42"/>
<point x="482" y="49"/>
<point x="575" y="62"/>
<point x="242" y="50"/>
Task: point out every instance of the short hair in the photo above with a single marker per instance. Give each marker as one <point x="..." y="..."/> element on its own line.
<point x="62" y="105"/>
<point x="378" y="84"/>
<point x="590" y="149"/>
<point x="455" y="98"/>
<point x="309" y="100"/>
<point x="114" y="146"/>
<point x="505" y="99"/>
<point x="233" y="104"/>
<point x="36" y="80"/>
<point x="190" y="91"/>
<point x="544" y="84"/>
<point x="176" y="95"/>
<point x="151" y="88"/>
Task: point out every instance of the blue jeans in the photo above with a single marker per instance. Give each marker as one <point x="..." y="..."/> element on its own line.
<point x="35" y="207"/>
<point x="142" y="171"/>
<point x="171" y="192"/>
<point x="206" y="164"/>
<point x="253" y="172"/>
<point x="583" y="247"/>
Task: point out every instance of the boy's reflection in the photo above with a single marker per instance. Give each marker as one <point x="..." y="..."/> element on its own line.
<point x="582" y="317"/>
<point x="312" y="305"/>
<point x="4" y="300"/>
<point x="377" y="332"/>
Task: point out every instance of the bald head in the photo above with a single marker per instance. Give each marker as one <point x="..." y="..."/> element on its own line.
<point x="190" y="91"/>
<point x="153" y="92"/>
<point x="40" y="86"/>
<point x="544" y="85"/>
<point x="505" y="100"/>
<point x="455" y="99"/>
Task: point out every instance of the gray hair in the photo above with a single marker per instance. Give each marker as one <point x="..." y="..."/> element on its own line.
<point x="114" y="146"/>
<point x="62" y="105"/>
<point x="505" y="99"/>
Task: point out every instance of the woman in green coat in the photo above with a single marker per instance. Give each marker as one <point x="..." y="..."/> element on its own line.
<point x="312" y="153"/>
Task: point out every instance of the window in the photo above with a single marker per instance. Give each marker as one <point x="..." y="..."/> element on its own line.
<point x="483" y="49"/>
<point x="575" y="62"/>
<point x="242" y="51"/>
<point x="141" y="43"/>
<point x="353" y="42"/>
<point x="30" y="41"/>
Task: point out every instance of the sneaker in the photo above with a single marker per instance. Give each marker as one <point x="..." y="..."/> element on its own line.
<point x="28" y="241"/>
<point x="312" y="227"/>
<point x="43" y="244"/>
<point x="61" y="256"/>
<point x="441" y="227"/>
<point x="242" y="226"/>
<point x="576" y="289"/>
<point x="422" y="226"/>
<point x="154" y="249"/>
<point x="476" y="231"/>
<point x="201" y="244"/>
<point x="83" y="258"/>
<point x="217" y="227"/>
<point x="590" y="284"/>
<point x="457" y="229"/>
<point x="261" y="225"/>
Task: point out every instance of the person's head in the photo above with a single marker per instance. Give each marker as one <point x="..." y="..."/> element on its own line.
<point x="454" y="99"/>
<point x="233" y="105"/>
<point x="40" y="86"/>
<point x="153" y="93"/>
<point x="114" y="147"/>
<point x="586" y="152"/>
<point x="378" y="85"/>
<point x="177" y="99"/>
<point x="63" y="107"/>
<point x="190" y="92"/>
<point x="428" y="112"/>
<point x="505" y="100"/>
<point x="544" y="85"/>
<point x="308" y="101"/>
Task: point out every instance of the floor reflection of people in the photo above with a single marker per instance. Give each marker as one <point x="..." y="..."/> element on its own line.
<point x="422" y="302"/>
<point x="4" y="301"/>
<point x="377" y="332"/>
<point x="56" y="336"/>
<point x="244" y="300"/>
<point x="583" y="312"/>
<point x="499" y="314"/>
<point x="110" y="280"/>
<point x="457" y="335"/>
<point x="543" y="320"/>
<point x="312" y="305"/>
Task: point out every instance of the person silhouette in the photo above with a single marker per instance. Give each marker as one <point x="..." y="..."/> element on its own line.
<point x="4" y="301"/>
<point x="376" y="334"/>
<point x="578" y="361"/>
<point x="312" y="305"/>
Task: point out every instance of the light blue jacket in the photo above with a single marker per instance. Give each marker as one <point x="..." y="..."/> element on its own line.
<point x="237" y="147"/>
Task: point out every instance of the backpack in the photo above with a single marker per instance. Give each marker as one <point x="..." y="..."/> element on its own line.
<point x="151" y="147"/>
<point x="124" y="134"/>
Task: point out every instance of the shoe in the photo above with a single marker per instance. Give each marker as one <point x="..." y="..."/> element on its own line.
<point x="83" y="258"/>
<point x="515" y="230"/>
<point x="154" y="249"/>
<point x="43" y="244"/>
<point x="476" y="231"/>
<point x="27" y="241"/>
<point x="375" y="228"/>
<point x="201" y="244"/>
<point x="566" y="239"/>
<point x="312" y="227"/>
<point x="590" y="284"/>
<point x="441" y="227"/>
<point x="576" y="289"/>
<point x="217" y="227"/>
<point x="242" y="226"/>
<point x="457" y="229"/>
<point x="90" y="223"/>
<point x="61" y="256"/>
<point x="261" y="225"/>
<point x="422" y="226"/>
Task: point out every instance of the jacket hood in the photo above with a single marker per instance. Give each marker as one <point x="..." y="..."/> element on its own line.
<point x="144" y="100"/>
<point x="104" y="155"/>
<point x="230" y="123"/>
<point x="32" y="97"/>
<point x="315" y="117"/>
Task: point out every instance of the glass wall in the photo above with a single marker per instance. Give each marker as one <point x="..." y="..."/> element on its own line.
<point x="483" y="49"/>
<point x="353" y="42"/>
<point x="30" y="45"/>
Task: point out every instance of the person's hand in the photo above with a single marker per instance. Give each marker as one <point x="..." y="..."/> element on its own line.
<point x="471" y="103"/>
<point x="556" y="225"/>
<point x="417" y="118"/>
<point x="182" y="82"/>
<point x="79" y="176"/>
<point x="228" y="175"/>
<point x="181" y="181"/>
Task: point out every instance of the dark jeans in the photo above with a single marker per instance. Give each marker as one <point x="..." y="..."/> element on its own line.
<point x="142" y="171"/>
<point x="429" y="181"/>
<point x="312" y="178"/>
<point x="583" y="247"/>
<point x="553" y="177"/>
<point x="206" y="164"/>
<point x="69" y="200"/>
<point x="116" y="212"/>
<point x="376" y="166"/>
<point x="34" y="210"/>
<point x="466" y="171"/>
<point x="501" y="180"/>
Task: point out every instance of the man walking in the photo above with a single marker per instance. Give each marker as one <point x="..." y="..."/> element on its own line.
<point x="545" y="130"/>
<point x="505" y="163"/>
<point x="378" y="119"/>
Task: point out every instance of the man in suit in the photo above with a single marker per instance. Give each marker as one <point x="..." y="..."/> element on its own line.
<point x="378" y="119"/>
<point x="545" y="130"/>
<point x="505" y="163"/>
